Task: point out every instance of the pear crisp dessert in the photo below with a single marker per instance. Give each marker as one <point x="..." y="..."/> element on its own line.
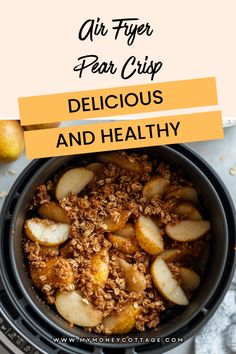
<point x="115" y="244"/>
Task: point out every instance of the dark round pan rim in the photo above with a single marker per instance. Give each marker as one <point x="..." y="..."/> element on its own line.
<point x="32" y="303"/>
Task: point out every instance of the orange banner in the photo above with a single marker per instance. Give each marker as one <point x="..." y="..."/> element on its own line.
<point x="118" y="101"/>
<point x="123" y="134"/>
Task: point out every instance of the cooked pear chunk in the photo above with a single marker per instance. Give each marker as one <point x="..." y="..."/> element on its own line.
<point x="188" y="230"/>
<point x="135" y="280"/>
<point x="113" y="224"/>
<point x="56" y="272"/>
<point x="73" y="180"/>
<point x="127" y="230"/>
<point x="77" y="310"/>
<point x="171" y="256"/>
<point x="123" y="244"/>
<point x="174" y="255"/>
<point x="187" y="258"/>
<point x="54" y="212"/>
<point x="190" y="280"/>
<point x="121" y="322"/>
<point x="148" y="235"/>
<point x="187" y="210"/>
<point x="95" y="167"/>
<point x="100" y="267"/>
<point x="155" y="187"/>
<point x="122" y="161"/>
<point x="166" y="283"/>
<point x="185" y="193"/>
<point x="46" y="232"/>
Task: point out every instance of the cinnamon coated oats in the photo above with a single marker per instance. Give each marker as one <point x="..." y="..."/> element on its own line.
<point x="121" y="250"/>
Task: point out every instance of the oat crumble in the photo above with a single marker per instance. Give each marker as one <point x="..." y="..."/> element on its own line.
<point x="111" y="191"/>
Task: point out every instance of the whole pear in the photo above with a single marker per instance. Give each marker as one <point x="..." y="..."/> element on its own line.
<point x="11" y="140"/>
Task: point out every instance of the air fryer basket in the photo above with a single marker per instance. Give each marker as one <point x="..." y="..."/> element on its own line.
<point x="214" y="284"/>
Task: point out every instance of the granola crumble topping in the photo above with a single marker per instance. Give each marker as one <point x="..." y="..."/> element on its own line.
<point x="112" y="190"/>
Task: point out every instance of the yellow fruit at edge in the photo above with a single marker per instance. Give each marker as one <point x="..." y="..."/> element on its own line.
<point x="121" y="322"/>
<point x="149" y="235"/>
<point x="100" y="267"/>
<point x="11" y="140"/>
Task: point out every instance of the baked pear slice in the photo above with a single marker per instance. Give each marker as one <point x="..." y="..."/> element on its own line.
<point x="113" y="225"/>
<point x="188" y="211"/>
<point x="123" y="161"/>
<point x="54" y="212"/>
<point x="148" y="235"/>
<point x="187" y="230"/>
<point x="121" y="322"/>
<point x="171" y="255"/>
<point x="190" y="280"/>
<point x="175" y="255"/>
<point x="166" y="284"/>
<point x="123" y="244"/>
<point x="100" y="267"/>
<point x="95" y="167"/>
<point x="134" y="279"/>
<point x="155" y="187"/>
<point x="73" y="180"/>
<point x="57" y="273"/>
<point x="46" y="232"/>
<point x="127" y="230"/>
<point x="77" y="310"/>
<point x="185" y="193"/>
<point x="188" y="258"/>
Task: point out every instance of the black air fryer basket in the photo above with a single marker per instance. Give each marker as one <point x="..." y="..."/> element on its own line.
<point x="40" y="323"/>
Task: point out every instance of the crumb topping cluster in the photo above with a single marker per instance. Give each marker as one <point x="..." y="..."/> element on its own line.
<point x="112" y="191"/>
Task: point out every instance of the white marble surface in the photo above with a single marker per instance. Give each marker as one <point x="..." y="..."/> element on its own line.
<point x="220" y="154"/>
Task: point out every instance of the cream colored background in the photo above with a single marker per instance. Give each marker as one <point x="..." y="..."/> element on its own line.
<point x="39" y="45"/>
